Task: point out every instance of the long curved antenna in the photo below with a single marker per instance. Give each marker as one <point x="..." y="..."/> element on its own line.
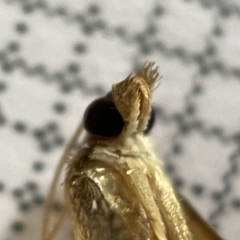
<point x="59" y="222"/>
<point x="49" y="200"/>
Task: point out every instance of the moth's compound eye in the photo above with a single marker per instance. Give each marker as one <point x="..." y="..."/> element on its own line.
<point x="150" y="122"/>
<point x="102" y="118"/>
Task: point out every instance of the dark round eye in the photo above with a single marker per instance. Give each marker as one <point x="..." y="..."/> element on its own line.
<point x="102" y="118"/>
<point x="150" y="122"/>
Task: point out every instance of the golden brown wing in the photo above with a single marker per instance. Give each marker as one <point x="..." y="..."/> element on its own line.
<point x="103" y="206"/>
<point x="199" y="228"/>
<point x="180" y="207"/>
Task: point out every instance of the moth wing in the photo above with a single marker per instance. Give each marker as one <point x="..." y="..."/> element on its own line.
<point x="181" y="209"/>
<point x="51" y="222"/>
<point x="104" y="205"/>
<point x="198" y="227"/>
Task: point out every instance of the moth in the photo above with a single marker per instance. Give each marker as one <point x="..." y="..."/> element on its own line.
<point x="115" y="187"/>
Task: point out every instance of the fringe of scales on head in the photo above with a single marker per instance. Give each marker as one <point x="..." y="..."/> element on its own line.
<point x="133" y="97"/>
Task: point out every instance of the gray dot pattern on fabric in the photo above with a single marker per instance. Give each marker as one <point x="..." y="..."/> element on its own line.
<point x="57" y="56"/>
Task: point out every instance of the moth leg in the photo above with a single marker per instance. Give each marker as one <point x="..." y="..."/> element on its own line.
<point x="50" y="198"/>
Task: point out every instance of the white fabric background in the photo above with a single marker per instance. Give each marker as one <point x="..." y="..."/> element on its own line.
<point x="57" y="56"/>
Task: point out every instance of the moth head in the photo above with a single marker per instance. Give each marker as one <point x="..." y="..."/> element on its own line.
<point x="126" y="109"/>
<point x="133" y="98"/>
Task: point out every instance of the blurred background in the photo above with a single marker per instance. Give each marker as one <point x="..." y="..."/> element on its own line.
<point x="57" y="56"/>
